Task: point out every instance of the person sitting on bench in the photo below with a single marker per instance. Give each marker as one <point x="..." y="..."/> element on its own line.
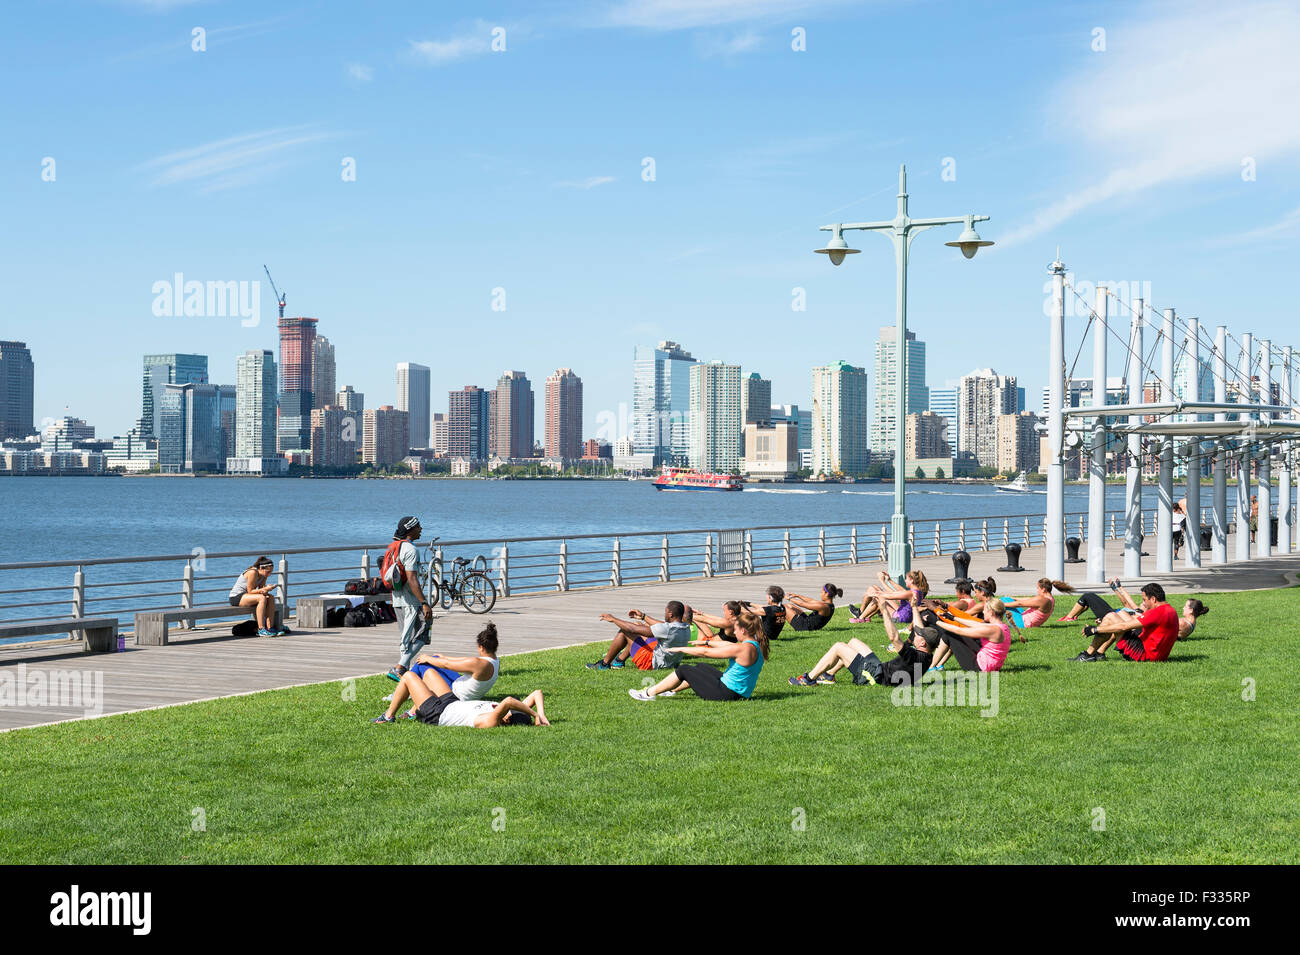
<point x="250" y="590"/>
<point x="649" y="642"/>
<point x="470" y="678"/>
<point x="737" y="682"/>
<point x="980" y="647"/>
<point x="437" y="705"/>
<point x="812" y="614"/>
<point x="1157" y="622"/>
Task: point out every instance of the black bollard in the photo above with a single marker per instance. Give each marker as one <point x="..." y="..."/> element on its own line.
<point x="1013" y="560"/>
<point x="1205" y="539"/>
<point x="960" y="568"/>
<point x="1072" y="551"/>
<point x="1141" y="542"/>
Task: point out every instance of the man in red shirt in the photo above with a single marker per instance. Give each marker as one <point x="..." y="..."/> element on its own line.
<point x="1157" y="623"/>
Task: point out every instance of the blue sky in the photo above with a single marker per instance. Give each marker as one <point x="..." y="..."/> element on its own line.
<point x="522" y="169"/>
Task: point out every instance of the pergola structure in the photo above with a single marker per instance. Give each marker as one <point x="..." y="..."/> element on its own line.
<point x="1241" y="421"/>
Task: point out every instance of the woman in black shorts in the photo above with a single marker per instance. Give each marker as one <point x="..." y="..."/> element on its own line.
<point x="805" y="614"/>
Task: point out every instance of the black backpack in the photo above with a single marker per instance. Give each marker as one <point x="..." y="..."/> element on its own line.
<point x="357" y="618"/>
<point x="245" y="628"/>
<point x="334" y="617"/>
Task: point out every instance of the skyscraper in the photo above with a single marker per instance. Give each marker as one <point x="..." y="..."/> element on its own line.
<point x="564" y="415"/>
<point x="943" y="401"/>
<point x="661" y="402"/>
<point x="839" y="420"/>
<point x="413" y="398"/>
<point x="983" y="396"/>
<point x="322" y="373"/>
<point x="17" y="386"/>
<point x="160" y="370"/>
<point x="333" y="438"/>
<point x="255" y="405"/>
<point x="354" y="403"/>
<point x="467" y="423"/>
<point x="1018" y="442"/>
<point x="297" y="341"/>
<point x="514" y="416"/>
<point x="388" y="436"/>
<point x="715" y="422"/>
<point x="883" y="417"/>
<point x="439" y="434"/>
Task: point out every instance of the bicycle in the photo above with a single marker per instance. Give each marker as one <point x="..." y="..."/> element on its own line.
<point x="473" y="588"/>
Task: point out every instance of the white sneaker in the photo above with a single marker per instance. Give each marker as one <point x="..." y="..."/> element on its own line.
<point x="666" y="693"/>
<point x="641" y="695"/>
<point x="388" y="698"/>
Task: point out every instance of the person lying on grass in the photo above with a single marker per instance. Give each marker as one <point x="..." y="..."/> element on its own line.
<point x="747" y="656"/>
<point x="975" y="646"/>
<point x="650" y="643"/>
<point x="914" y="657"/>
<point x="1034" y="611"/>
<point x="805" y="613"/>
<point x="888" y="598"/>
<point x="1146" y="636"/>
<point x="771" y="614"/>
<point x="470" y="678"/>
<point x="436" y="705"/>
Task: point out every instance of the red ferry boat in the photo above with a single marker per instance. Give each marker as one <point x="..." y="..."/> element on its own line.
<point x="688" y="479"/>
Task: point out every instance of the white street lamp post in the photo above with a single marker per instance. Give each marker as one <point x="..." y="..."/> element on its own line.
<point x="900" y="231"/>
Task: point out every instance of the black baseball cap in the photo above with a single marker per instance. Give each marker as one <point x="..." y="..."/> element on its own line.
<point x="405" y="526"/>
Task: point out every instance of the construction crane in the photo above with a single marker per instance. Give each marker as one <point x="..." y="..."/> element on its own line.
<point x="279" y="297"/>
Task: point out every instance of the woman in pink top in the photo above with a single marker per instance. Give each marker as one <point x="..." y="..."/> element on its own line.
<point x="1035" y="610"/>
<point x="976" y="646"/>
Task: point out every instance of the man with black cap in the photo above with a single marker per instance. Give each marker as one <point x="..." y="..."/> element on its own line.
<point x="413" y="610"/>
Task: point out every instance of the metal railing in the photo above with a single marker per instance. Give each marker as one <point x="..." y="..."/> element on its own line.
<point x="120" y="587"/>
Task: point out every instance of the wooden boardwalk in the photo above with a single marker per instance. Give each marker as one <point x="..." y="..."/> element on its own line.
<point x="209" y="663"/>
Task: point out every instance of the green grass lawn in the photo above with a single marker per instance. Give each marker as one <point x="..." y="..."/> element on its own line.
<point x="1184" y="769"/>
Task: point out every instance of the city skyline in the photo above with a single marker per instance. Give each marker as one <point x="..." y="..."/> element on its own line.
<point x="1203" y="223"/>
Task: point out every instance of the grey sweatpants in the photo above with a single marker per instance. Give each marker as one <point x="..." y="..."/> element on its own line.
<point x="415" y="632"/>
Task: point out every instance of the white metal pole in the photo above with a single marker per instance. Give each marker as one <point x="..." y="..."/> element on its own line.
<point x="1055" y="542"/>
<point x="1243" y="454"/>
<point x="1097" y="469"/>
<point x="1264" y="536"/>
<point x="1219" y="539"/>
<point x="1284" y="511"/>
<point x="1133" y="477"/>
<point x="1192" y="519"/>
<point x="1165" y="497"/>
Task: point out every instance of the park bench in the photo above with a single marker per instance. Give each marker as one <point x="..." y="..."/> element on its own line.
<point x="100" y="633"/>
<point x="312" y="611"/>
<point x="151" y="625"/>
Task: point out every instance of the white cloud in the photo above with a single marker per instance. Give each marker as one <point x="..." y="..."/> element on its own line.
<point x="235" y="161"/>
<point x="360" y="73"/>
<point x="1176" y="99"/>
<point x="473" y="42"/>
<point x="689" y="14"/>
<point x="745" y="42"/>
<point x="1286" y="227"/>
<point x="590" y="182"/>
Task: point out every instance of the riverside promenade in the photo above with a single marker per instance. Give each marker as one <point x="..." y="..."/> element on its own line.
<point x="209" y="663"/>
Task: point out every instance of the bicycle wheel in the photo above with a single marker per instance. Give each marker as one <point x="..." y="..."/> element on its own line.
<point x="478" y="594"/>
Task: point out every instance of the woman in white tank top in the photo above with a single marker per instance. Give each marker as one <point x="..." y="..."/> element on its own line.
<point x="478" y="674"/>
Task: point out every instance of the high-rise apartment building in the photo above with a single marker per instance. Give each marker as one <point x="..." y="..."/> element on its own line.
<point x="1018" y="442"/>
<point x="926" y="436"/>
<point x="413" y="398"/>
<point x="333" y="437"/>
<point x="883" y="414"/>
<point x="440" y="433"/>
<point x="839" y="420"/>
<point x="468" y="414"/>
<point x="715" y="421"/>
<point x="564" y="415"/>
<point x="943" y="402"/>
<point x="297" y="342"/>
<point x="323" y="373"/>
<point x="515" y="414"/>
<point x="162" y="370"/>
<point x="354" y="403"/>
<point x="387" y="436"/>
<point x="982" y="397"/>
<point x="255" y="391"/>
<point x="661" y="402"/>
<point x="17" y="389"/>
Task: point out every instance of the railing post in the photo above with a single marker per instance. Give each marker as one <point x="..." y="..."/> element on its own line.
<point x="79" y="594"/>
<point x="708" y="555"/>
<point x="563" y="582"/>
<point x="284" y="588"/>
<point x="664" y="574"/>
<point x="785" y="551"/>
<point x="911" y="536"/>
<point x="884" y="544"/>
<point x="961" y="535"/>
<point x="938" y="547"/>
<point x="748" y="563"/>
<point x="365" y="565"/>
<point x="1111" y="536"/>
<point x="1006" y="531"/>
<point x="616" y="568"/>
<point x="984" y="535"/>
<point x="1027" y="533"/>
<point x="187" y="591"/>
<point x="853" y="544"/>
<point x="821" y="547"/>
<point x="503" y="570"/>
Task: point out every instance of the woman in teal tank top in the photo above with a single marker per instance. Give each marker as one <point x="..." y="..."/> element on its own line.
<point x="747" y="656"/>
